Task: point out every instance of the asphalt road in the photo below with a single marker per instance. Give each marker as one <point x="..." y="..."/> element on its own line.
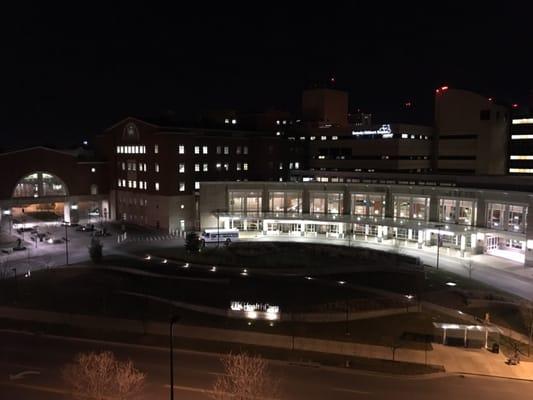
<point x="43" y="357"/>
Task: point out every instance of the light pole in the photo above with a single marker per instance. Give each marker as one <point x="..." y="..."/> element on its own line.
<point x="438" y="242"/>
<point x="66" y="242"/>
<point x="173" y="320"/>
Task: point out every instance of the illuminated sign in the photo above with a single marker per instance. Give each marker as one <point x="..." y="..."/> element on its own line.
<point x="383" y="131"/>
<point x="256" y="310"/>
<point x="521" y="121"/>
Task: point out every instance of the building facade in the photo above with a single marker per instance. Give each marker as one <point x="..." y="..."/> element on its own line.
<point x="521" y="146"/>
<point x="468" y="220"/>
<point x="471" y="133"/>
<point x="156" y="171"/>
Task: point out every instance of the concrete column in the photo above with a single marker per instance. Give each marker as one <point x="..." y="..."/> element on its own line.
<point x="409" y="234"/>
<point x="5" y="220"/>
<point x="434" y="208"/>
<point x="463" y="245"/>
<point x="305" y="201"/>
<point x="389" y="204"/>
<point x="245" y="224"/>
<point x="529" y="238"/>
<point x="481" y="213"/>
<point x="421" y="235"/>
<point x="380" y="233"/>
<point x="66" y="211"/>
<point x="347" y="202"/>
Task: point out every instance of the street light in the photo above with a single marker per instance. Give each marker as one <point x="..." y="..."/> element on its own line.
<point x="173" y="320"/>
<point x="438" y="242"/>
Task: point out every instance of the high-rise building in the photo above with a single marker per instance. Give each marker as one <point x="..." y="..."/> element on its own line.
<point x="471" y="133"/>
<point x="521" y="146"/>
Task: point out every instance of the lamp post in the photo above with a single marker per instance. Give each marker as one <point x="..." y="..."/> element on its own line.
<point x="173" y="320"/>
<point x="438" y="242"/>
<point x="66" y="242"/>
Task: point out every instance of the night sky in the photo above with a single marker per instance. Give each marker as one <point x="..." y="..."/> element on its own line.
<point x="69" y="73"/>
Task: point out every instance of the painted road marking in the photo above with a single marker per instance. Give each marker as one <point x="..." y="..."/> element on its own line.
<point x="20" y="375"/>
<point x="351" y="391"/>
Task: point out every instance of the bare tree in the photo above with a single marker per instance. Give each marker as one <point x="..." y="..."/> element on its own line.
<point x="245" y="377"/>
<point x="101" y="376"/>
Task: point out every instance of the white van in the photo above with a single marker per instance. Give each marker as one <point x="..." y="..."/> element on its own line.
<point x="226" y="236"/>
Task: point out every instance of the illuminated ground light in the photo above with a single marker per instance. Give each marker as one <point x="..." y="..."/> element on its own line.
<point x="186" y="265"/>
<point x="309" y="278"/>
<point x="451" y="284"/>
<point x="244" y="272"/>
<point x="148" y="257"/>
<point x="342" y="282"/>
<point x="164" y="261"/>
<point x="213" y="269"/>
<point x="409" y="296"/>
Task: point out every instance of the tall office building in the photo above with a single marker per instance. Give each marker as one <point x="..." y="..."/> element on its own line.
<point x="471" y="133"/>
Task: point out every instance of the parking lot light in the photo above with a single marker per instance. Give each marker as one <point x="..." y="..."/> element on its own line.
<point x="164" y="261"/>
<point x="342" y="282"/>
<point x="213" y="269"/>
<point x="186" y="265"/>
<point x="309" y="278"/>
<point x="148" y="257"/>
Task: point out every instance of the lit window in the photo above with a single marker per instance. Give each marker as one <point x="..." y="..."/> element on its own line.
<point x="238" y="150"/>
<point x="245" y="150"/>
<point x="334" y="137"/>
<point x="93" y="170"/>
<point x="156" y="149"/>
<point x="196" y="185"/>
<point x="182" y="186"/>
<point x="520" y="137"/>
<point x="233" y="121"/>
<point x="312" y="138"/>
<point x="219" y="149"/>
<point x="204" y="149"/>
<point x="129" y="183"/>
<point x="226" y="120"/>
<point x="280" y="165"/>
<point x="296" y="165"/>
<point x="205" y="167"/>
<point x="521" y="170"/>
<point x="182" y="206"/>
<point x="245" y="166"/>
<point x="405" y="136"/>
<point x="123" y="182"/>
<point x="196" y="168"/>
<point x="412" y="136"/>
<point x="226" y="166"/>
<point x="181" y="149"/>
<point x="196" y="149"/>
<point x="156" y="167"/>
<point x="278" y="133"/>
<point x="226" y="150"/>
<point x="277" y="122"/>
<point x="157" y="186"/>
<point x="302" y="137"/>
<point x="123" y="166"/>
<point x="119" y="183"/>
<point x="181" y="168"/>
<point x="218" y="166"/>
<point x="280" y="179"/>
<point x="238" y="166"/>
<point x="521" y="157"/>
<point x="134" y="184"/>
<point x="323" y="138"/>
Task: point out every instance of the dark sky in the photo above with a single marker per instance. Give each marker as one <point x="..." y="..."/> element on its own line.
<point x="69" y="72"/>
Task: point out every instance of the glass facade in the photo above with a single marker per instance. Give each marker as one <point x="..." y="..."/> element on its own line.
<point x="40" y="184"/>
<point x="245" y="202"/>
<point x="335" y="205"/>
<point x="411" y="207"/>
<point x="495" y="215"/>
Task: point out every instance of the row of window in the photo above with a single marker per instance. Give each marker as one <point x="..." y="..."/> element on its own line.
<point x="138" y="149"/>
<point x="454" y="211"/>
<point x="218" y="167"/>
<point x="219" y="149"/>
<point x="132" y="184"/>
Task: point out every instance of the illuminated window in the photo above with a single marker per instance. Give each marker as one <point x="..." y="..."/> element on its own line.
<point x="219" y="149"/>
<point x="334" y="137"/>
<point x="204" y="149"/>
<point x="119" y="183"/>
<point x="226" y="166"/>
<point x="312" y="138"/>
<point x="521" y="170"/>
<point x="521" y="157"/>
<point x="233" y="121"/>
<point x="226" y="150"/>
<point x="182" y="186"/>
<point x="196" y="149"/>
<point x="520" y="121"/>
<point x="156" y="149"/>
<point x="205" y="167"/>
<point x="196" y="168"/>
<point x="280" y="165"/>
<point x="218" y="166"/>
<point x="181" y="168"/>
<point x="134" y="184"/>
<point x="245" y="166"/>
<point x="93" y="170"/>
<point x="181" y="149"/>
<point x="238" y="166"/>
<point x="157" y="186"/>
<point x="196" y="185"/>
<point x="238" y="150"/>
<point x="520" y="137"/>
<point x="245" y="150"/>
<point x="156" y="167"/>
<point x="296" y="165"/>
<point x="278" y="133"/>
<point x="323" y="137"/>
<point x="405" y="136"/>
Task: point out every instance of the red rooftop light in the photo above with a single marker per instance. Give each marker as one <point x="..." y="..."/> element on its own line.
<point x="443" y="88"/>
<point x="515" y="105"/>
<point x="490" y="98"/>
